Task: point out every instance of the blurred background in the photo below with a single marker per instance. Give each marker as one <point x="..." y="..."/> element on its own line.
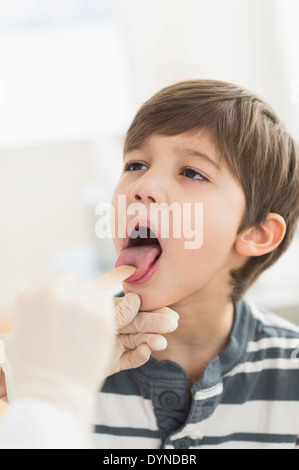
<point x="72" y="75"/>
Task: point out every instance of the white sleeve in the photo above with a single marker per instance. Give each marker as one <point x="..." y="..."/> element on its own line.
<point x="37" y="424"/>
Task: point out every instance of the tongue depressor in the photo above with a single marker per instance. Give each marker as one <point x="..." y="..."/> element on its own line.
<point x="103" y="283"/>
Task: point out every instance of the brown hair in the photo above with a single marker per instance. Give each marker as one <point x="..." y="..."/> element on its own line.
<point x="252" y="140"/>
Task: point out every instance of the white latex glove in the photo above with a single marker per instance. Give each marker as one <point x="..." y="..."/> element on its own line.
<point x="139" y="333"/>
<point x="61" y="344"/>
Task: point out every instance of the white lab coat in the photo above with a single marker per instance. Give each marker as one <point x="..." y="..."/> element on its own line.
<point x="36" y="424"/>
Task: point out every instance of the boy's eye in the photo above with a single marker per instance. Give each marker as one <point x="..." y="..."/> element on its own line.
<point x="193" y="174"/>
<point x="188" y="172"/>
<point x="133" y="166"/>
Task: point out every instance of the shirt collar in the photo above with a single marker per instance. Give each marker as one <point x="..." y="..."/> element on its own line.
<point x="217" y="367"/>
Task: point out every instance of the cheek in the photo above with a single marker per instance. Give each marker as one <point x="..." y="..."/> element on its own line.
<point x="220" y="229"/>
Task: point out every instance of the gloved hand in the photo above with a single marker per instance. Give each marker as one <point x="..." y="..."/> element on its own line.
<point x="61" y="345"/>
<point x="138" y="333"/>
<point x="61" y="329"/>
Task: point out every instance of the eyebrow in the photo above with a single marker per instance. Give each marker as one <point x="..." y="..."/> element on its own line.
<point x="203" y="156"/>
<point x="189" y="152"/>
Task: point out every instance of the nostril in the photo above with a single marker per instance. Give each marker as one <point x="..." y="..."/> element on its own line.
<point x="149" y="199"/>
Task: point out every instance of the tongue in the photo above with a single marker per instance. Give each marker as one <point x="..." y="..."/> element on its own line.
<point x="140" y="256"/>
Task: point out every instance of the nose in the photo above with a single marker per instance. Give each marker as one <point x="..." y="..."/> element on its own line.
<point x="149" y="189"/>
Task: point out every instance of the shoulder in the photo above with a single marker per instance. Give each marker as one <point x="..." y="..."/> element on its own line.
<point x="271" y="334"/>
<point x="268" y="323"/>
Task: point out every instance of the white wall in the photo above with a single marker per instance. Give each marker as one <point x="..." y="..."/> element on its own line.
<point x="63" y="84"/>
<point x="232" y="40"/>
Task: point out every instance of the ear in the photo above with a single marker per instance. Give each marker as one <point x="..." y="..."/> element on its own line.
<point x="257" y="241"/>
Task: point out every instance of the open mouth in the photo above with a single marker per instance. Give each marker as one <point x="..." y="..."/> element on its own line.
<point x="143" y="251"/>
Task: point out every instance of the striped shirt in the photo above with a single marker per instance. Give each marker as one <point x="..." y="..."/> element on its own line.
<point x="247" y="396"/>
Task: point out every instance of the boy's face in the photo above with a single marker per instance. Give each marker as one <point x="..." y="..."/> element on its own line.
<point x="166" y="170"/>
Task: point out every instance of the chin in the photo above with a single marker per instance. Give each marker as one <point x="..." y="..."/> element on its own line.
<point x="148" y="303"/>
<point x="150" y="306"/>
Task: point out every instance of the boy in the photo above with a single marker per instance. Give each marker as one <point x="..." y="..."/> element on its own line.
<point x="229" y="377"/>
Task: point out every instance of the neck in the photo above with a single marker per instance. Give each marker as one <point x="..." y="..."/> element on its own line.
<point x="203" y="332"/>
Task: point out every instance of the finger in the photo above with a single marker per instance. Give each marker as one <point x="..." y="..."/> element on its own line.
<point x="126" y="308"/>
<point x="68" y="290"/>
<point x="3" y="391"/>
<point x="155" y="342"/>
<point x="166" y="311"/>
<point x="136" y="358"/>
<point x="153" y="322"/>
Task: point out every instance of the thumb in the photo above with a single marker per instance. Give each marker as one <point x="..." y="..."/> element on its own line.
<point x="126" y="309"/>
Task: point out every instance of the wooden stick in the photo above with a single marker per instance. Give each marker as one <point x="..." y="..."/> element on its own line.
<point x="103" y="283"/>
<point x="117" y="275"/>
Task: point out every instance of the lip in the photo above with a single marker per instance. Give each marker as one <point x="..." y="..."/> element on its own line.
<point x="142" y="222"/>
<point x="147" y="276"/>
